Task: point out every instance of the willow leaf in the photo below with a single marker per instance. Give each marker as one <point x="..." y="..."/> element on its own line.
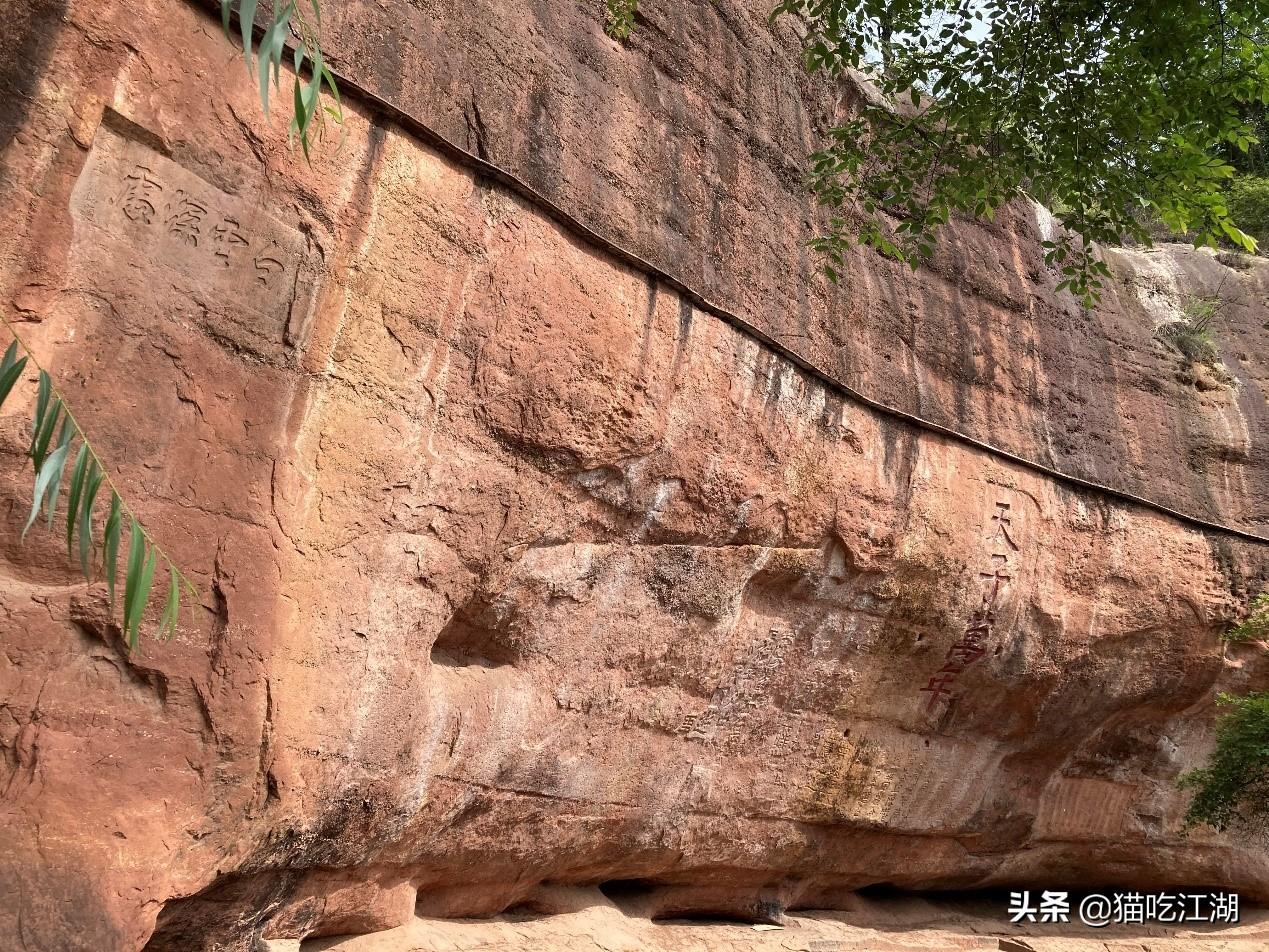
<point x="110" y="545"/>
<point x="9" y="377"/>
<point x="143" y="597"/>
<point x="338" y="111"/>
<point x="172" y="611"/>
<point x="51" y="466"/>
<point x="63" y="439"/>
<point x="311" y="94"/>
<point x="95" y="478"/>
<point x="271" y="47"/>
<point x="226" y="12"/>
<point x="47" y="425"/>
<point x="10" y="357"/>
<point x="300" y="122"/>
<point x="266" y="44"/>
<point x="247" y="23"/>
<point x="78" y="475"/>
<point x="136" y="558"/>
<point x="41" y="406"/>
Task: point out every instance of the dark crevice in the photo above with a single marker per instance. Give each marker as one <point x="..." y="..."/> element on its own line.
<point x="477" y="636"/>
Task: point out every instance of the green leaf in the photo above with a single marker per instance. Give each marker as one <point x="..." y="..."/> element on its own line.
<point x="271" y="46"/>
<point x="171" y="611"/>
<point x="338" y="111"/>
<point x="95" y="478"/>
<point x="9" y="377"/>
<point x="143" y="593"/>
<point x="41" y="407"/>
<point x="226" y="12"/>
<point x="78" y="476"/>
<point x="312" y="93"/>
<point x="10" y="357"/>
<point x="300" y="122"/>
<point x="63" y="439"/>
<point x="133" y="597"/>
<point x="51" y="466"/>
<point x="247" y="23"/>
<point x="47" y="424"/>
<point x="110" y="545"/>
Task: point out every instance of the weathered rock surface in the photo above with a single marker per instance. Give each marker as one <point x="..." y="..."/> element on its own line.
<point x="516" y="568"/>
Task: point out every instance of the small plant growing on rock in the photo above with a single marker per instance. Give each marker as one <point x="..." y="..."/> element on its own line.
<point x="619" y="18"/>
<point x="1255" y="627"/>
<point x="1234" y="786"/>
<point x="1192" y="335"/>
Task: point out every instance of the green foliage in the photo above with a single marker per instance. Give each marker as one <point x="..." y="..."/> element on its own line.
<point x="1249" y="204"/>
<point x="1110" y="113"/>
<point x="1192" y="335"/>
<point x="1234" y="786"/>
<point x="1255" y="627"/>
<point x="300" y="21"/>
<point x="619" y="18"/>
<point x="48" y="459"/>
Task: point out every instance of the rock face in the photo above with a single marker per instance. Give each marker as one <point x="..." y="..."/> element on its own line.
<point x="519" y="570"/>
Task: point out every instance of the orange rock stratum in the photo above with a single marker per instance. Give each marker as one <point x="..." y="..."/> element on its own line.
<point x="534" y="586"/>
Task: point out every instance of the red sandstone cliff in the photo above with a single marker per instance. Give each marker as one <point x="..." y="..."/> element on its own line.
<point x="523" y="572"/>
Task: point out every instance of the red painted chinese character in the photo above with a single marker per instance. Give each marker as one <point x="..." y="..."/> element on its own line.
<point x="937" y="688"/>
<point x="966" y="651"/>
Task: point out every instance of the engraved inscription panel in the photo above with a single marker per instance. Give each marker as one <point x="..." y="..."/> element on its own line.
<point x="249" y="274"/>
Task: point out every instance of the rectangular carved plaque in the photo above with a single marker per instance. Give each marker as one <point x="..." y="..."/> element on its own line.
<point x="250" y="274"/>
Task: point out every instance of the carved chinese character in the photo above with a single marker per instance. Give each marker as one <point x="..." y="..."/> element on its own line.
<point x="1002" y="525"/>
<point x="227" y="238"/>
<point x="268" y="264"/>
<point x="140" y="195"/>
<point x="995" y="577"/>
<point x="185" y="217"/>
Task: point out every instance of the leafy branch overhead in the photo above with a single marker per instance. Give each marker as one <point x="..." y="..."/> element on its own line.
<point x="300" y="22"/>
<point x="49" y="455"/>
<point x="1111" y="114"/>
<point x="1119" y="117"/>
